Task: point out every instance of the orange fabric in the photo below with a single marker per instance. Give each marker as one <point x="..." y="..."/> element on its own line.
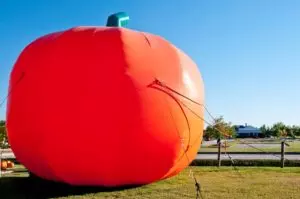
<point x="86" y="95"/>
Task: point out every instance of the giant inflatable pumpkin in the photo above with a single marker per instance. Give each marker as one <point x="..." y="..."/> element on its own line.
<point x="119" y="98"/>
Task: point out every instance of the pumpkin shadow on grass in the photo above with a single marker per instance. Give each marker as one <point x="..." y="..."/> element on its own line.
<point x="29" y="187"/>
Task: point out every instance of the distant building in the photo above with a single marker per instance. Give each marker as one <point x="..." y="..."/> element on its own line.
<point x="247" y="131"/>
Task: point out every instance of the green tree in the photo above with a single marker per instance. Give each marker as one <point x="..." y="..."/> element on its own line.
<point x="265" y="130"/>
<point x="226" y="128"/>
<point x="289" y="131"/>
<point x="296" y="130"/>
<point x="2" y="123"/>
<point x="3" y="135"/>
<point x="278" y="129"/>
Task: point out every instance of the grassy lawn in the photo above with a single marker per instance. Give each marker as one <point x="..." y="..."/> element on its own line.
<point x="269" y="146"/>
<point x="250" y="182"/>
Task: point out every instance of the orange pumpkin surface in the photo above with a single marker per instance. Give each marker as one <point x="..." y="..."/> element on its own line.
<point x="106" y="94"/>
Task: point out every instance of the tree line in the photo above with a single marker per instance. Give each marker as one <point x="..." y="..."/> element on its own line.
<point x="220" y="129"/>
<point x="280" y="129"/>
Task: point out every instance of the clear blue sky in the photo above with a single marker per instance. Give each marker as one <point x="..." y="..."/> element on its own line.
<point x="247" y="51"/>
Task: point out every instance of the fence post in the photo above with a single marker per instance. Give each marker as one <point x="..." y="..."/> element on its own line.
<point x="219" y="152"/>
<point x="282" y="154"/>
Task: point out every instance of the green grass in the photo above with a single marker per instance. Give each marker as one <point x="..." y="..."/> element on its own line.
<point x="250" y="182"/>
<point x="294" y="147"/>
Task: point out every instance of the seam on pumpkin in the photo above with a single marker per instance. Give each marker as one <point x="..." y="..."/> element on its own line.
<point x="181" y="108"/>
<point x="147" y="39"/>
<point x="185" y="150"/>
